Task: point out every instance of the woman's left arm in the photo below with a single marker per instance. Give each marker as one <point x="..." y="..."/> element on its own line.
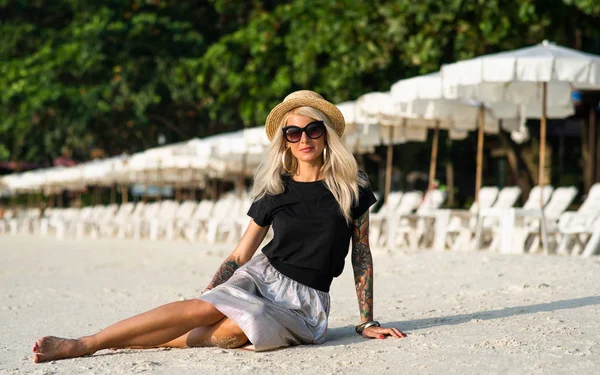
<point x="362" y="265"/>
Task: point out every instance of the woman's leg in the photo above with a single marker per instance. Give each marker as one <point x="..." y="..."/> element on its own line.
<point x="152" y="328"/>
<point x="224" y="334"/>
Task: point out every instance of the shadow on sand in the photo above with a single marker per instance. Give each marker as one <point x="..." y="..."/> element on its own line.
<point x="346" y="335"/>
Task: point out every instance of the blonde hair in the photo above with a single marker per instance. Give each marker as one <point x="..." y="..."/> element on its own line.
<point x="339" y="170"/>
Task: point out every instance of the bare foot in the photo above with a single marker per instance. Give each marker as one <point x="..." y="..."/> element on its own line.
<point x="49" y="348"/>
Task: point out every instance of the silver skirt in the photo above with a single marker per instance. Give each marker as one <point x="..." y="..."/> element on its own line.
<point x="273" y="310"/>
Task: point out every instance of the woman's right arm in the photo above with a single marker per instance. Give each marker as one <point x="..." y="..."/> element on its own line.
<point x="243" y="252"/>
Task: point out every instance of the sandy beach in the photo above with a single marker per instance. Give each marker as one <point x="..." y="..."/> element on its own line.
<point x="464" y="313"/>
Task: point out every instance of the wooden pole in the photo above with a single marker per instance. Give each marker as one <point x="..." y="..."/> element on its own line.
<point x="145" y="187"/>
<point x="585" y="159"/>
<point x="542" y="144"/>
<point x="97" y="195"/>
<point x="480" y="139"/>
<point x="597" y="151"/>
<point x="388" y="167"/>
<point x="592" y="145"/>
<point x="178" y="192"/>
<point x="124" y="194"/>
<point x="449" y="173"/>
<point x="159" y="185"/>
<point x="93" y="196"/>
<point x="434" y="154"/>
<point x="542" y="228"/>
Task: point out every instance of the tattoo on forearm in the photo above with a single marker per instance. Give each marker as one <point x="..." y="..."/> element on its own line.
<point x="362" y="264"/>
<point x="224" y="272"/>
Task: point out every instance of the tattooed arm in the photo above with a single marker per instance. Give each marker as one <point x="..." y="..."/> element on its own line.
<point x="362" y="264"/>
<point x="225" y="271"/>
<point x="244" y="251"/>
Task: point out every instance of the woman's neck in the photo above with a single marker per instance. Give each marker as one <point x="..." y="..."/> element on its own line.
<point x="307" y="172"/>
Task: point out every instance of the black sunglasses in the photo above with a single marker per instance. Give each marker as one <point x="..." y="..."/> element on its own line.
<point x="314" y="130"/>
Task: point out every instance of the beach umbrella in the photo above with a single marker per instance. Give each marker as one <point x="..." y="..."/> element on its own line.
<point x="363" y="131"/>
<point x="423" y="96"/>
<point x="64" y="178"/>
<point x="540" y="78"/>
<point x="378" y="108"/>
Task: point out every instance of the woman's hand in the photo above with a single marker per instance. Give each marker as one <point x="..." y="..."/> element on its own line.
<point x="375" y="332"/>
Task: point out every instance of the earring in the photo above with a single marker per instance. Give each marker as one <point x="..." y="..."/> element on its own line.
<point x="325" y="155"/>
<point x="283" y="163"/>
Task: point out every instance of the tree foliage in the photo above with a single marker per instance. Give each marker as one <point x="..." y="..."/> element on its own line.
<point x="85" y="77"/>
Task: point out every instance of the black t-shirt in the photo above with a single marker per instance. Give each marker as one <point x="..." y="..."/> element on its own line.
<point x="311" y="237"/>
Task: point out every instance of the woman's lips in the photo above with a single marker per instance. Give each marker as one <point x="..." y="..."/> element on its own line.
<point x="306" y="149"/>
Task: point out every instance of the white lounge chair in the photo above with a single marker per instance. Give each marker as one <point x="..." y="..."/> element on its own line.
<point x="126" y="225"/>
<point x="171" y="218"/>
<point x="576" y="228"/>
<point x="454" y="229"/>
<point x="489" y="218"/>
<point x="378" y="221"/>
<point x="196" y="227"/>
<point x="561" y="199"/>
<point x="414" y="230"/>
<point x="87" y="226"/>
<point x="225" y="217"/>
<point x="593" y="245"/>
<point x="108" y="224"/>
<point x="5" y="219"/>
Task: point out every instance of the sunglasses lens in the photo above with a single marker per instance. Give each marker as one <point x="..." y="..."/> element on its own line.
<point x="314" y="131"/>
<point x="293" y="134"/>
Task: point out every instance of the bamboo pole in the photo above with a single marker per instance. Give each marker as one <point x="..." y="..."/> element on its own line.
<point x="97" y="196"/>
<point x="388" y="167"/>
<point x="434" y="154"/>
<point x="449" y="172"/>
<point x="597" y="151"/>
<point x="159" y="184"/>
<point x="542" y="145"/>
<point x="542" y="227"/>
<point x="480" y="139"/>
<point x="124" y="193"/>
<point x="592" y="145"/>
<point x="178" y="192"/>
<point x="585" y="159"/>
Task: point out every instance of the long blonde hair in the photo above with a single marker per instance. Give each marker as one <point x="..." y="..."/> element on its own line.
<point x="339" y="170"/>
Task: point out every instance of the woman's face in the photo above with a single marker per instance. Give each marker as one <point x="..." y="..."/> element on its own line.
<point x="306" y="149"/>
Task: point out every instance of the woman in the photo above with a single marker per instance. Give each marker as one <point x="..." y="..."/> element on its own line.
<point x="309" y="189"/>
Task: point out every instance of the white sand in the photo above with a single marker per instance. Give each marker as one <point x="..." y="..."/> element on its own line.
<point x="464" y="313"/>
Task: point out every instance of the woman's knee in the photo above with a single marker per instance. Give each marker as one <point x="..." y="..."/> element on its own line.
<point x="202" y="312"/>
<point x="228" y="335"/>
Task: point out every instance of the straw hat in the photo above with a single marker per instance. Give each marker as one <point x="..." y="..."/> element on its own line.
<point x="300" y="99"/>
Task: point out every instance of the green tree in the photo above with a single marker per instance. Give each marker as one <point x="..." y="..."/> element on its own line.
<point x="76" y="76"/>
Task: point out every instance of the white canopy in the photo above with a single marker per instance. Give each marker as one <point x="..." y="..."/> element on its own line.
<point x="516" y="77"/>
<point x="380" y="108"/>
<point x="423" y="96"/>
<point x="364" y="132"/>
